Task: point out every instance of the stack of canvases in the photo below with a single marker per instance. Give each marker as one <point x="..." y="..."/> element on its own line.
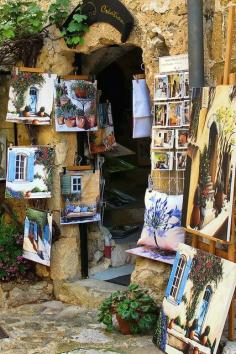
<point x="29" y="169"/>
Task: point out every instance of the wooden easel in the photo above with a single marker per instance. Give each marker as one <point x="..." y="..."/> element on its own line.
<point x="210" y="244"/>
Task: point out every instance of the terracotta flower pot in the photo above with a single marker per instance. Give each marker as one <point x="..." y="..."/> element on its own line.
<point x="91" y="121"/>
<point x="26" y="114"/>
<point x="204" y="340"/>
<point x="124" y="326"/>
<point x="60" y="120"/>
<point x="70" y="122"/>
<point x="81" y="93"/>
<point x="191" y="334"/>
<point x="80" y="122"/>
<point x="195" y="350"/>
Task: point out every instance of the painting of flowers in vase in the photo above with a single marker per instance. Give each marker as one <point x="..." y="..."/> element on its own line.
<point x="31" y="98"/>
<point x="193" y="314"/>
<point x="75" y="106"/>
<point x="29" y="172"/>
<point x="211" y="157"/>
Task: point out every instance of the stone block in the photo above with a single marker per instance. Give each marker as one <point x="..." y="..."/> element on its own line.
<point x="230" y="348"/>
<point x="31" y="294"/>
<point x="42" y="271"/>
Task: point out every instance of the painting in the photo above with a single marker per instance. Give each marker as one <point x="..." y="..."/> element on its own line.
<point x="181" y="160"/>
<point x="162" y="221"/>
<point x="175" y="114"/>
<point x="175" y="86"/>
<point x="161" y="87"/>
<point x="160" y="114"/>
<point x="162" y="138"/>
<point x="211" y="154"/>
<point x="186" y="84"/>
<point x="182" y="138"/>
<point x="153" y="253"/>
<point x="3" y="157"/>
<point x="162" y="160"/>
<point x="186" y="114"/>
<point x="29" y="172"/>
<point x="31" y="98"/>
<point x="193" y="314"/>
<point x="80" y="196"/>
<point x="37" y="236"/>
<point x="75" y="105"/>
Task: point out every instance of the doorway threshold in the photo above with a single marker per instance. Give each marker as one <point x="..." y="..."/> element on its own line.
<point x="112" y="272"/>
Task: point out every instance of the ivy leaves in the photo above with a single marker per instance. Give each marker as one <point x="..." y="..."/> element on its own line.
<point x="76" y="28"/>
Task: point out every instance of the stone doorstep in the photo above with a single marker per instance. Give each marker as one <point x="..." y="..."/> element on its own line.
<point x="85" y="293"/>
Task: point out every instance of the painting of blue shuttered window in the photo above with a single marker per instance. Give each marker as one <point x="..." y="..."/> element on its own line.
<point x="20" y="167"/>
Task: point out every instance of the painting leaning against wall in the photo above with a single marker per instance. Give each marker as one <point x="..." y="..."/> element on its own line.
<point x="211" y="154"/>
<point x="192" y="316"/>
<point x="29" y="172"/>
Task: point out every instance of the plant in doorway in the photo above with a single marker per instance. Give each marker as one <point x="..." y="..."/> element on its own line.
<point x="135" y="310"/>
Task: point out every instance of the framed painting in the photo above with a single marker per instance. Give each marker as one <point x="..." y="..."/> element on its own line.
<point x="181" y="160"/>
<point x="31" y="98"/>
<point x="75" y="106"/>
<point x="193" y="314"/>
<point x="160" y="114"/>
<point x="37" y="236"/>
<point x="162" y="160"/>
<point x="175" y="114"/>
<point x="29" y="172"/>
<point x="211" y="153"/>
<point x="3" y="157"/>
<point x="175" y="86"/>
<point x="162" y="138"/>
<point x="181" y="138"/>
<point x="161" y="87"/>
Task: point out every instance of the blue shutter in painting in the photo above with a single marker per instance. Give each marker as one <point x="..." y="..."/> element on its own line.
<point x="11" y="171"/>
<point x="30" y="168"/>
<point x="27" y="225"/>
<point x="35" y="231"/>
<point x="46" y="233"/>
<point x="183" y="281"/>
<point x="172" y="274"/>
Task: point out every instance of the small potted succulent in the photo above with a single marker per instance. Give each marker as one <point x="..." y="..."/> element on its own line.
<point x="26" y="112"/>
<point x="135" y="310"/>
<point x="41" y="112"/>
<point x="80" y="89"/>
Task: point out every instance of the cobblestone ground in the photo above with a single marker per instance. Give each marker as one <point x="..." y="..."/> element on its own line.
<point x="53" y="327"/>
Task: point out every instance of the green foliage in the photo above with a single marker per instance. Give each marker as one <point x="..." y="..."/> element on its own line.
<point x="133" y="305"/>
<point x="204" y="168"/>
<point x="58" y="12"/>
<point x="12" y="264"/>
<point x="75" y="30"/>
<point x="40" y="217"/>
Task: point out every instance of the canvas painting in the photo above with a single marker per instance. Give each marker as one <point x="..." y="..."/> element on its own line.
<point x="186" y="114"/>
<point x="29" y="172"/>
<point x="161" y="87"/>
<point x="31" y="98"/>
<point x="153" y="253"/>
<point x="186" y="84"/>
<point x="162" y="160"/>
<point x="37" y="236"/>
<point x="160" y="114"/>
<point x="80" y="196"/>
<point x="102" y="140"/>
<point x="193" y="314"/>
<point x="162" y="221"/>
<point x="175" y="114"/>
<point x="212" y="160"/>
<point x="75" y="106"/>
<point x="3" y="157"/>
<point x="182" y="138"/>
<point x="175" y="86"/>
<point x="162" y="138"/>
<point x="181" y="160"/>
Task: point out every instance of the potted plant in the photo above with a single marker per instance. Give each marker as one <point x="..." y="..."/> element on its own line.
<point x="59" y="115"/>
<point x="193" y="329"/>
<point x="26" y="112"/>
<point x="80" y="120"/>
<point x="135" y="310"/>
<point x="41" y="112"/>
<point x="80" y="89"/>
<point x="69" y="114"/>
<point x="205" y="334"/>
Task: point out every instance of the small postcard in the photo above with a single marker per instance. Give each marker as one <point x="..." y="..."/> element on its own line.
<point x="162" y="138"/>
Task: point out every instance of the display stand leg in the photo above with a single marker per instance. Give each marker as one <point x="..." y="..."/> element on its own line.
<point x="83" y="228"/>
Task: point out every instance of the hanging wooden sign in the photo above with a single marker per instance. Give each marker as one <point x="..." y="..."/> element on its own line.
<point x="112" y="12"/>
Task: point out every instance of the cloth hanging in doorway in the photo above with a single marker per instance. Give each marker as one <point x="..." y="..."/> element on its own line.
<point x="142" y="123"/>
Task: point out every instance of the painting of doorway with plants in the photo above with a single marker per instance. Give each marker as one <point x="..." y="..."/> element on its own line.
<point x="76" y="106"/>
<point x="212" y="152"/>
<point x="31" y="98"/>
<point x="37" y="236"/>
<point x="193" y="315"/>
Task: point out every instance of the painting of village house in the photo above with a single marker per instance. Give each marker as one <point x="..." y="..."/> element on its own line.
<point x="37" y="236"/>
<point x="29" y="172"/>
<point x="193" y="313"/>
<point x="3" y="155"/>
<point x="76" y="106"/>
<point x="31" y="98"/>
<point x="80" y="194"/>
<point x="210" y="178"/>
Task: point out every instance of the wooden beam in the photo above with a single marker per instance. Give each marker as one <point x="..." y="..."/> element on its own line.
<point x="229" y="43"/>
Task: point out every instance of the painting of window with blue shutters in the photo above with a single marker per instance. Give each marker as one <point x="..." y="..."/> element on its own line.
<point x="29" y="172"/>
<point x="37" y="236"/>
<point x="193" y="315"/>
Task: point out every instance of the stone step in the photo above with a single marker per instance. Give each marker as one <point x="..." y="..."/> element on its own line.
<point x="87" y="293"/>
<point x="124" y="216"/>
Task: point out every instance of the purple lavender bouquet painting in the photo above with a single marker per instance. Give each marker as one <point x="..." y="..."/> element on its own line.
<point x="162" y="221"/>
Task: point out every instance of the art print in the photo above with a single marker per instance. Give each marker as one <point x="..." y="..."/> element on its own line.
<point x="80" y="196"/>
<point x="186" y="84"/>
<point x="162" y="221"/>
<point x="193" y="314"/>
<point x="161" y="87"/>
<point x="153" y="253"/>
<point x="160" y="114"/>
<point x="102" y="140"/>
<point x="162" y="138"/>
<point x="76" y="106"/>
<point x="29" y="172"/>
<point x="181" y="160"/>
<point x="175" y="86"/>
<point x="186" y="114"/>
<point x="162" y="160"/>
<point x="212" y="161"/>
<point x="37" y="236"/>
<point x="31" y="98"/>
<point x="182" y="138"/>
<point x="175" y="114"/>
<point x="3" y="157"/>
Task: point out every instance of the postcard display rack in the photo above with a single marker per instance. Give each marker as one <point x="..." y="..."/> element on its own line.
<point x="225" y="249"/>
